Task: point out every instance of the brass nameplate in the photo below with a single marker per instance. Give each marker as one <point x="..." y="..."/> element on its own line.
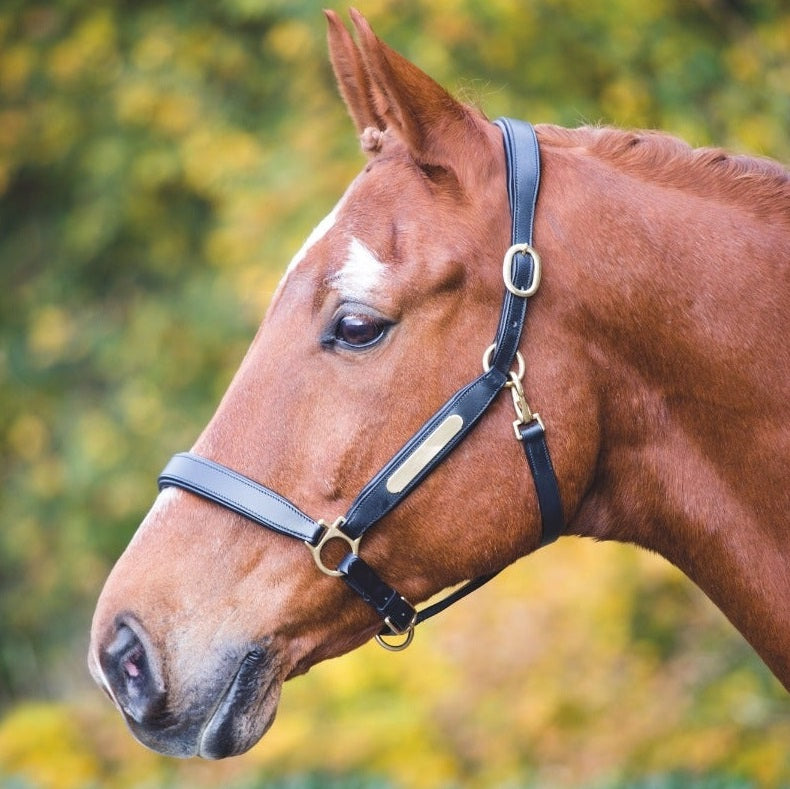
<point x="431" y="446"/>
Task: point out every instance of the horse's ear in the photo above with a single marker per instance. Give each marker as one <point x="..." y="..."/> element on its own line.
<point x="385" y="91"/>
<point x="351" y="74"/>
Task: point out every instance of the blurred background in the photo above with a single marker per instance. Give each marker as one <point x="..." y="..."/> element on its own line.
<point x="159" y="165"/>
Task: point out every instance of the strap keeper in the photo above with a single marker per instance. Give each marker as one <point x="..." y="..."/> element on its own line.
<point x="398" y="613"/>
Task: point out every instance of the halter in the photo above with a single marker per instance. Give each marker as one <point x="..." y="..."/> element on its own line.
<point x="430" y="445"/>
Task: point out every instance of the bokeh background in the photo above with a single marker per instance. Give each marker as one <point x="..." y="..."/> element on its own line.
<point x="160" y="162"/>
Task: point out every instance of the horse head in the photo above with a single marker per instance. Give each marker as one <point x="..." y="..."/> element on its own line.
<point x="382" y="314"/>
<point x="661" y="375"/>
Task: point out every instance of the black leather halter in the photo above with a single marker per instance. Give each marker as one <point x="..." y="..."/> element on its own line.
<point x="430" y="445"/>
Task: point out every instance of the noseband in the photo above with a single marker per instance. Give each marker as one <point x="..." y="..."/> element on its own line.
<point x="430" y="445"/>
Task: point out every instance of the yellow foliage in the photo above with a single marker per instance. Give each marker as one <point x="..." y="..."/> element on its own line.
<point x="155" y="167"/>
<point x="90" y="48"/>
<point x="155" y="49"/>
<point x="51" y="331"/>
<point x="28" y="436"/>
<point x="16" y="65"/>
<point x="56" y="124"/>
<point x="212" y="157"/>
<point x="41" y="743"/>
<point x="100" y="443"/>
<point x="289" y="39"/>
<point x="175" y="114"/>
<point x="626" y="101"/>
<point x="47" y="477"/>
<point x="135" y="101"/>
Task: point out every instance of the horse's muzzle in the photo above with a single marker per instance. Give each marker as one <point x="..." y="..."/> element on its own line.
<point x="232" y="710"/>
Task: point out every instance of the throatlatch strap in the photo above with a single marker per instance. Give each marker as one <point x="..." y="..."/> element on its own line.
<point x="523" y="179"/>
<point x="533" y="439"/>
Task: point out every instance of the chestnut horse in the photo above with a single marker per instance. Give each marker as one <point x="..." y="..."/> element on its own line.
<point x="657" y="351"/>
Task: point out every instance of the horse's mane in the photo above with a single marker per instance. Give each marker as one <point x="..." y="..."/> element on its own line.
<point x="759" y="184"/>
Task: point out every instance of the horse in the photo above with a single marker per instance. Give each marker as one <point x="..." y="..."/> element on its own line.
<point x="655" y="347"/>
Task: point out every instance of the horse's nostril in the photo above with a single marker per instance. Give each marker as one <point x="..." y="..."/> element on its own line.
<point x="132" y="675"/>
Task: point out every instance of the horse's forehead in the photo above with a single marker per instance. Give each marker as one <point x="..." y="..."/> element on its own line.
<point x="350" y="250"/>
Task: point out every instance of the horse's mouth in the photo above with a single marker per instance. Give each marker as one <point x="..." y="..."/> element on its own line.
<point x="245" y="710"/>
<point x="241" y="714"/>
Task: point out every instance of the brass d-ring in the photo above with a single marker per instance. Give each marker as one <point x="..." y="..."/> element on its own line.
<point x="399" y="647"/>
<point x="507" y="270"/>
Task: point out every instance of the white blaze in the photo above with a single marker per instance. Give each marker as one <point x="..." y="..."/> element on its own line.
<point x="318" y="232"/>
<point x="362" y="273"/>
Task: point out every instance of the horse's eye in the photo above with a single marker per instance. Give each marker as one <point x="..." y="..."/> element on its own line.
<point x="358" y="330"/>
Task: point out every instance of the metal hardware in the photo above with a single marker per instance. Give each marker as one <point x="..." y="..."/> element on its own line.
<point x="522" y="367"/>
<point x="408" y="632"/>
<point x="431" y="446"/>
<point x="507" y="270"/>
<point x="524" y="414"/>
<point x="332" y="532"/>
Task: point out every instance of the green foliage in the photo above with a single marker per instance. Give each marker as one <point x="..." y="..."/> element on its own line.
<point x="683" y="781"/>
<point x="159" y="164"/>
<point x="319" y="781"/>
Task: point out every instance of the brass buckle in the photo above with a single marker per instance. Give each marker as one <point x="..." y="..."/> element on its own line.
<point x="507" y="270"/>
<point x="407" y="632"/>
<point x="332" y="532"/>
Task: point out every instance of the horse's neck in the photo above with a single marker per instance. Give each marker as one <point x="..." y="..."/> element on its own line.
<point x="687" y="326"/>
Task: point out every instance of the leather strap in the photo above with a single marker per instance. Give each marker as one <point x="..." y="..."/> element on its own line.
<point x="523" y="180"/>
<point x="453" y="597"/>
<point x="240" y="494"/>
<point x="522" y="156"/>
<point x="390" y="606"/>
<point x="375" y="500"/>
<point x="533" y="439"/>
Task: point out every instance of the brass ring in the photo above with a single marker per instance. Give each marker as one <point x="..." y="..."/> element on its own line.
<point x="332" y="533"/>
<point x="519" y="360"/>
<point x="507" y="270"/>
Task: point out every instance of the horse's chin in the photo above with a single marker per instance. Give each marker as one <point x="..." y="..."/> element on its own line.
<point x="245" y="711"/>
